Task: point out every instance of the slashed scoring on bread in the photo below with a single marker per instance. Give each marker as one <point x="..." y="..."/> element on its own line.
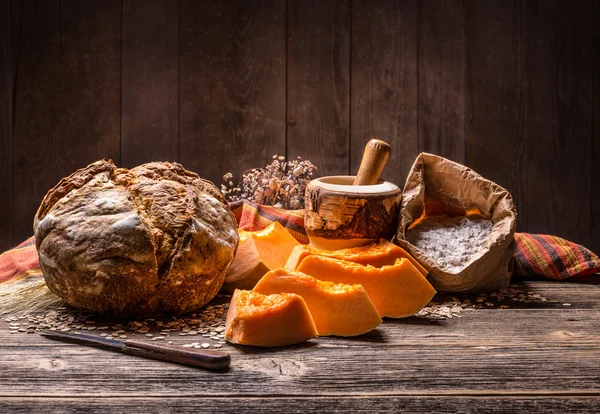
<point x="156" y="238"/>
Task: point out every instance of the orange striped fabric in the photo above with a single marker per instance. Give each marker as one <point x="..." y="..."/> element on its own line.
<point x="536" y="255"/>
<point x="253" y="217"/>
<point x="552" y="257"/>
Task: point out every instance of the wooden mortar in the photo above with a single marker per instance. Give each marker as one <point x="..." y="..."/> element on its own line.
<point x="341" y="213"/>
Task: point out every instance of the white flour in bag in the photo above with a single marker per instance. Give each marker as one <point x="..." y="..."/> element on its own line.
<point x="450" y="241"/>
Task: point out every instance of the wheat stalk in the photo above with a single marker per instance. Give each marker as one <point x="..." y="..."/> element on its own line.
<point x="27" y="297"/>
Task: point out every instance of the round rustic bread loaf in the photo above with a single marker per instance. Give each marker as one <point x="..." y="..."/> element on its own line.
<point x="153" y="239"/>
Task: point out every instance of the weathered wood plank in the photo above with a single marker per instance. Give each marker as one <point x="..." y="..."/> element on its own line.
<point x="318" y="59"/>
<point x="441" y="57"/>
<point x="581" y="294"/>
<point x="558" y="122"/>
<point x="384" y="82"/>
<point x="336" y="404"/>
<point x="529" y="122"/>
<point x="67" y="98"/>
<point x="150" y="82"/>
<point x="90" y="84"/>
<point x="37" y="159"/>
<point x="499" y="351"/>
<point x="496" y="85"/>
<point x="6" y="113"/>
<point x="595" y="161"/>
<point x="232" y="85"/>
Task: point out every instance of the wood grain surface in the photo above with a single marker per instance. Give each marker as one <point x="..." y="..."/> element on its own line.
<point x="495" y="360"/>
<point x="384" y="82"/>
<point x="441" y="59"/>
<point x="510" y="88"/>
<point x="38" y="97"/>
<point x="6" y="115"/>
<point x="413" y="403"/>
<point x="497" y="95"/>
<point x="558" y="52"/>
<point x="232" y="85"/>
<point x="90" y="70"/>
<point x="318" y="65"/>
<point x="595" y="161"/>
<point x="150" y="71"/>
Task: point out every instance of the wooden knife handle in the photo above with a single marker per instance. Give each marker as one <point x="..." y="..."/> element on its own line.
<point x="373" y="162"/>
<point x="203" y="358"/>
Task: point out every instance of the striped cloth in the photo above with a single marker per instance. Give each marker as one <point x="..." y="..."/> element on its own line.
<point x="552" y="257"/>
<point x="536" y="255"/>
<point x="254" y="217"/>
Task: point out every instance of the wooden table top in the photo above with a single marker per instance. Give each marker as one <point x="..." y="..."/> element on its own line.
<point x="542" y="356"/>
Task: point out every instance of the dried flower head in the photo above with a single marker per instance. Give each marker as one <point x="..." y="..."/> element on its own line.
<point x="281" y="183"/>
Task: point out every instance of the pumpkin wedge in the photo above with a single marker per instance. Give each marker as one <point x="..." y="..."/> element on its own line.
<point x="257" y="253"/>
<point x="383" y="253"/>
<point x="396" y="291"/>
<point x="268" y="320"/>
<point x="337" y="309"/>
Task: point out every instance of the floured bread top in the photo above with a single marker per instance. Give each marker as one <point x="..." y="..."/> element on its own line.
<point x="151" y="239"/>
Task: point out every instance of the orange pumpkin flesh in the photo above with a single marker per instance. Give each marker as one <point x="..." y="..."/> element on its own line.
<point x="268" y="321"/>
<point x="396" y="291"/>
<point x="384" y="253"/>
<point x="257" y="253"/>
<point x="337" y="309"/>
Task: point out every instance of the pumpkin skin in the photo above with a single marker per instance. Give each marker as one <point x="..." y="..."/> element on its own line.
<point x="337" y="309"/>
<point x="268" y="320"/>
<point x="258" y="252"/>
<point x="383" y="253"/>
<point x="397" y="291"/>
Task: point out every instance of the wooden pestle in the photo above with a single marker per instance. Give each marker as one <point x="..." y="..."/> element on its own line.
<point x="373" y="162"/>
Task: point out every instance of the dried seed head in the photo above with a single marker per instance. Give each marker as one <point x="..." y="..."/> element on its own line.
<point x="281" y="183"/>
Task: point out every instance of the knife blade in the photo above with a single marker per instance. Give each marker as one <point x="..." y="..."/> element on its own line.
<point x="215" y="360"/>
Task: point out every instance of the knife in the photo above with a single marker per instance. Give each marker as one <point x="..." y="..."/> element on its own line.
<point x="216" y="360"/>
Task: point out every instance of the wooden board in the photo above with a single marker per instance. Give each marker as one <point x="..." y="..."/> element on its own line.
<point x="413" y="403"/>
<point x="595" y="161"/>
<point x="37" y="159"/>
<point x="384" y="82"/>
<point x="6" y="109"/>
<point x="326" y="78"/>
<point x="150" y="95"/>
<point x="558" y="124"/>
<point x="232" y="85"/>
<point x="496" y="96"/>
<point x="90" y="75"/>
<point x="67" y="98"/>
<point x="527" y="127"/>
<point x="441" y="57"/>
<point x="493" y="360"/>
<point x="497" y="351"/>
<point x="318" y="84"/>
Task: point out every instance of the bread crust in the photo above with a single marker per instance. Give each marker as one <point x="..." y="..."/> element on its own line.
<point x="153" y="239"/>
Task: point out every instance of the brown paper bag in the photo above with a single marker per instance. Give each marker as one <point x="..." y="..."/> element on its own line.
<point x="437" y="186"/>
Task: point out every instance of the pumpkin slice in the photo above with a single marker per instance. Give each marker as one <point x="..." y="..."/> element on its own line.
<point x="397" y="291"/>
<point x="384" y="253"/>
<point x="337" y="309"/>
<point x="273" y="320"/>
<point x="257" y="253"/>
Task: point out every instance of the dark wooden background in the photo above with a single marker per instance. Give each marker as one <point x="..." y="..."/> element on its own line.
<point x="507" y="87"/>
